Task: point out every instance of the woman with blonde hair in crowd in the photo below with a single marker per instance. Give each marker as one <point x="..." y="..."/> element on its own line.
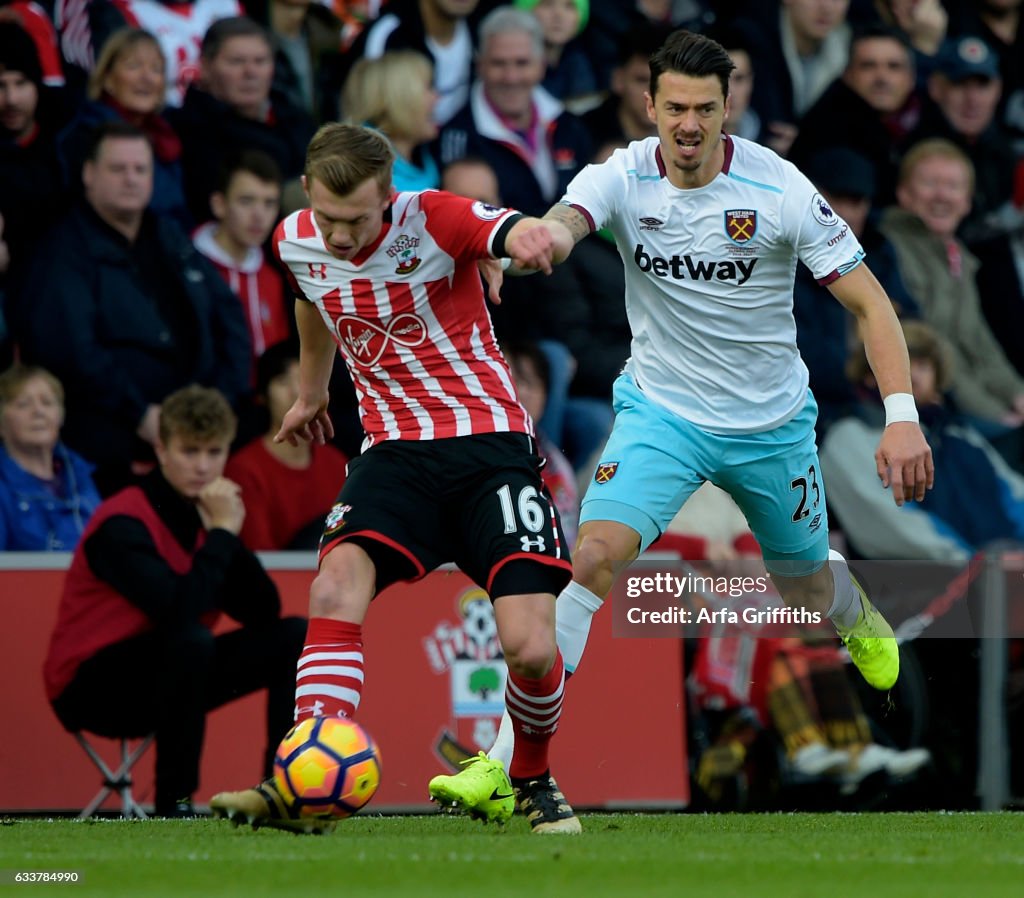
<point x="394" y="94"/>
<point x="129" y="82"/>
<point x="46" y="491"/>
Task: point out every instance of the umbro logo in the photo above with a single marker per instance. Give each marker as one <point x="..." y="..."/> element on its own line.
<point x="648" y="223"/>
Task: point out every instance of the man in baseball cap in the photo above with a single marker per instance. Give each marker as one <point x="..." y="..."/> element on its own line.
<point x="966" y="57"/>
<point x="967" y="87"/>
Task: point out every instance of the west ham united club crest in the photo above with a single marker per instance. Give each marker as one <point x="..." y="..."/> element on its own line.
<point x="605" y="471"/>
<point x="740" y="225"/>
<point x="403" y="250"/>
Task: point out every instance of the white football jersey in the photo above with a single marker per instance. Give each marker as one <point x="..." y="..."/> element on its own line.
<point x="709" y="278"/>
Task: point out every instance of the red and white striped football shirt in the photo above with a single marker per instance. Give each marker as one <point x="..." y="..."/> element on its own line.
<point x="409" y="316"/>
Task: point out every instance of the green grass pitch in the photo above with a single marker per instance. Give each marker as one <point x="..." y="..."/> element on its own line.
<point x="624" y="855"/>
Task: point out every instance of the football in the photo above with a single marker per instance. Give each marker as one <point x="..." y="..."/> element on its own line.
<point x="327" y="767"/>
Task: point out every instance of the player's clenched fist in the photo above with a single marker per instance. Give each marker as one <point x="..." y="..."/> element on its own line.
<point x="531" y="247"/>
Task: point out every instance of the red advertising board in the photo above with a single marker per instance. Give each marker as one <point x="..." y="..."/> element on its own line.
<point x="433" y="685"/>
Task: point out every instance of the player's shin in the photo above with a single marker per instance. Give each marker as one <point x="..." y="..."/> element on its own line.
<point x="845" y="598"/>
<point x="534" y="706"/>
<point x="574" y="611"/>
<point x="329" y="680"/>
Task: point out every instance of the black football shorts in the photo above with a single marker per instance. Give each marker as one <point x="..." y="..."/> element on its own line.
<point x="477" y="501"/>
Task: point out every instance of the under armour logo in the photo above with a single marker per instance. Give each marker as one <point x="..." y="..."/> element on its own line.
<point x="315" y="711"/>
<point x="366" y="341"/>
<point x="318" y="270"/>
<point x="532" y="543"/>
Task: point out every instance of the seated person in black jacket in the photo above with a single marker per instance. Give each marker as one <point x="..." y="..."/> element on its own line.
<point x="133" y="651"/>
<point x="124" y="310"/>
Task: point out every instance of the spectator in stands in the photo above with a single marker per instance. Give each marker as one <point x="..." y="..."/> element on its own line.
<point x="307" y="52"/>
<point x="922" y="23"/>
<point x="441" y="30"/>
<point x="824" y="329"/>
<point x="977" y="497"/>
<point x="622" y="116"/>
<point x="530" y="374"/>
<point x="35" y="20"/>
<point x="30" y="184"/>
<point x="245" y="207"/>
<point x="871" y="109"/>
<point x="743" y="120"/>
<point x="230" y="108"/>
<point x="796" y="58"/>
<point x="180" y="27"/>
<point x="287" y="489"/>
<point x="129" y="313"/>
<point x="472" y="177"/>
<point x="133" y="650"/>
<point x="570" y="75"/>
<point x="46" y="491"/>
<point x="935" y="186"/>
<point x="129" y="83"/>
<point x="966" y="88"/>
<point x="1000" y="24"/>
<point x="611" y="19"/>
<point x="394" y="94"/>
<point x="524" y="133"/>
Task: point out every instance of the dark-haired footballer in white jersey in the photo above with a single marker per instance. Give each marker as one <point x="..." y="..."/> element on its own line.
<point x="710" y="229"/>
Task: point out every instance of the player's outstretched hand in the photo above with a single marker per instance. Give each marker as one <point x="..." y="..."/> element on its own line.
<point x="494" y="274"/>
<point x="306" y="421"/>
<point x="532" y="249"/>
<point x="904" y="462"/>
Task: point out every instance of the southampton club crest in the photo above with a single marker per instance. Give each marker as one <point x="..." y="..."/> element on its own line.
<point x="469" y="651"/>
<point x="403" y="251"/>
<point x="740" y="225"/>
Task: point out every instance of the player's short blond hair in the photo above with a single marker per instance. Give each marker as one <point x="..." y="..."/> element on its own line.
<point x="197" y="413"/>
<point x="342" y="156"/>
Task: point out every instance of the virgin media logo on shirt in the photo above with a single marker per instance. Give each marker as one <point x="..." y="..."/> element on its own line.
<point x="366" y="341"/>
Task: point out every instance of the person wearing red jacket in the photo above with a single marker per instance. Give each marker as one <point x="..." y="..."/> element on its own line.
<point x="133" y="650"/>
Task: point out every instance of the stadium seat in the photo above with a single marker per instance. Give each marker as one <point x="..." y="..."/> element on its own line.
<point x="119" y="780"/>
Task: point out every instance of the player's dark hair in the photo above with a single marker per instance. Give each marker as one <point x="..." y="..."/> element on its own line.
<point x="221" y="31"/>
<point x="260" y="165"/>
<point x="197" y="413"/>
<point x="695" y="55"/>
<point x="341" y="157"/>
<point x="111" y="129"/>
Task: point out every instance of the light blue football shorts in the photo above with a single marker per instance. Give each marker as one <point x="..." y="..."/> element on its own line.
<point x="654" y="460"/>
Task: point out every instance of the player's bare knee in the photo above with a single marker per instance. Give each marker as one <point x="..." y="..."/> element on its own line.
<point x="532" y="656"/>
<point x="344" y="586"/>
<point x="595" y="562"/>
